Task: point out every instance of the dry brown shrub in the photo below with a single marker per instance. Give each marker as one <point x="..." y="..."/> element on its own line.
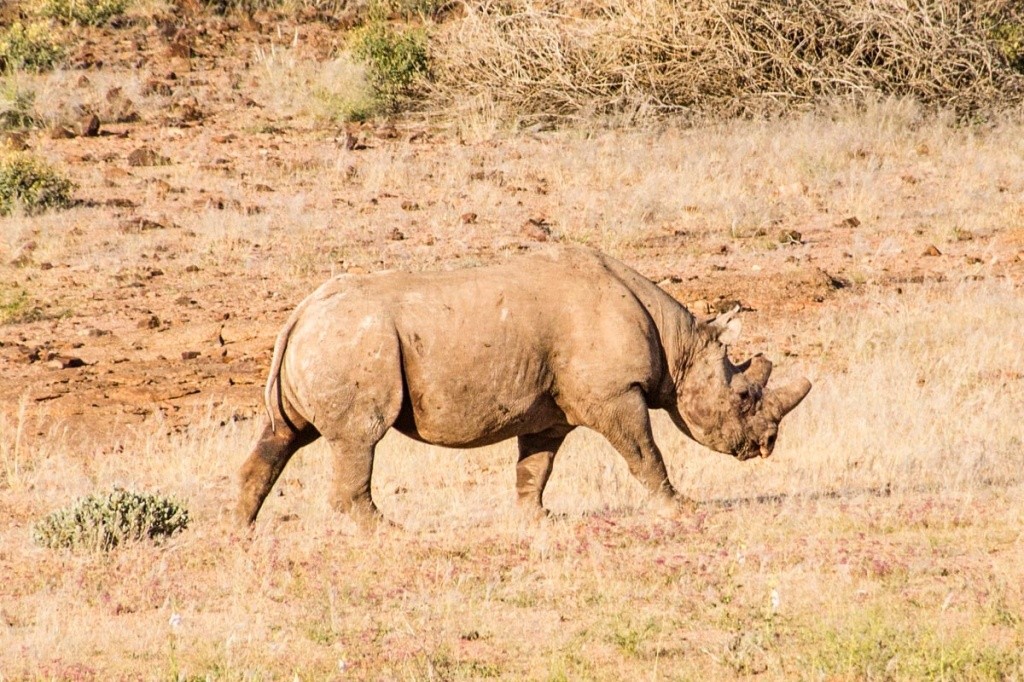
<point x="715" y="58"/>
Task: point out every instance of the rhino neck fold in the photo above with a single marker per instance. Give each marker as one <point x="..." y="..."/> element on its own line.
<point x="676" y="327"/>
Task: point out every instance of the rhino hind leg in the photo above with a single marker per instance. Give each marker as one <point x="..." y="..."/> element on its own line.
<point x="536" y="459"/>
<point x="353" y="473"/>
<point x="265" y="464"/>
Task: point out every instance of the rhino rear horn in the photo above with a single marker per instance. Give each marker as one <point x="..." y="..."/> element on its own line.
<point x="757" y="369"/>
<point x="783" y="400"/>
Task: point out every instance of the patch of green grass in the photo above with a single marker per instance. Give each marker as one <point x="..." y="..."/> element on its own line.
<point x="104" y="522"/>
<point x="17" y="307"/>
<point x="17" y="107"/>
<point x="33" y="46"/>
<point x="32" y="184"/>
<point x="83" y="12"/>
<point x="396" y="61"/>
<point x="870" y="646"/>
<point x="1008" y="37"/>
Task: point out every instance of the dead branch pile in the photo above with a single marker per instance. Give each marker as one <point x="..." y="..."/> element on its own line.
<point x="543" y="59"/>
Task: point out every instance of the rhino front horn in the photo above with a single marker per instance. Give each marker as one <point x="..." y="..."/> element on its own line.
<point x="785" y="399"/>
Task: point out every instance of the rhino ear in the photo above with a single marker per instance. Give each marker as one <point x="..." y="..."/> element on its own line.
<point x="726" y="327"/>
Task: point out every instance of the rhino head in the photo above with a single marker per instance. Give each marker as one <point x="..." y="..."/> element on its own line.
<point x="726" y="407"/>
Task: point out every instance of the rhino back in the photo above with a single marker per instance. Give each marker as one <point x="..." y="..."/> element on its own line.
<point x="487" y="353"/>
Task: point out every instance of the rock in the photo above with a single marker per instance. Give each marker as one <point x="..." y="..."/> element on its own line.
<point x="15" y="141"/>
<point x="850" y="222"/>
<point x="89" y="126"/>
<point x="65" y="362"/>
<point x="151" y="322"/>
<point x="396" y="235"/>
<point x="931" y="251"/>
<point x="136" y="225"/>
<point x="23" y="256"/>
<point x="190" y="354"/>
<point x="536" y="229"/>
<point x="147" y="156"/>
<point x="410" y="206"/>
<point x="468" y="218"/>
<point x="59" y="132"/>
<point x="790" y="237"/>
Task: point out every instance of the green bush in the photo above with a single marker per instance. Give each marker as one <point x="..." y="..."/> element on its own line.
<point x="84" y="12"/>
<point x="32" y="184"/>
<point x="29" y="47"/>
<point x="396" y="61"/>
<point x="104" y="522"/>
<point x="16" y="307"/>
<point x="17" y="107"/>
<point x="1008" y="37"/>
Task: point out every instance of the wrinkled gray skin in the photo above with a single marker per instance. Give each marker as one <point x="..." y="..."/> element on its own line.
<point x="531" y="349"/>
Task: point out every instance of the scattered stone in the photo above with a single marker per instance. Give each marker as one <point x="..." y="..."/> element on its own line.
<point x="185" y="300"/>
<point x="963" y="235"/>
<point x="468" y="218"/>
<point x="263" y="188"/>
<point x="15" y="141"/>
<point x="790" y="237"/>
<point x="931" y="251"/>
<point x="536" y="229"/>
<point x="154" y="86"/>
<point x="59" y="132"/>
<point x="850" y="222"/>
<point x="191" y="268"/>
<point x="136" y="225"/>
<point x="151" y="322"/>
<point x="23" y="256"/>
<point x="89" y="126"/>
<point x="396" y="235"/>
<point x="190" y="354"/>
<point x="726" y="305"/>
<point x="973" y="260"/>
<point x="147" y="156"/>
<point x="96" y="332"/>
<point x="65" y="362"/>
<point x="408" y="205"/>
<point x="83" y="81"/>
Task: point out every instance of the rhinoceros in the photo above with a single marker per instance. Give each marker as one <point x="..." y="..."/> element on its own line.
<point x="530" y="348"/>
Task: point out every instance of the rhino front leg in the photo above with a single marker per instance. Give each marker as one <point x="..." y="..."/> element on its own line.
<point x="626" y="423"/>
<point x="536" y="459"/>
<point x="265" y="464"/>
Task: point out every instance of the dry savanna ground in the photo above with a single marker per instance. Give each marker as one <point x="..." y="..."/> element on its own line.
<point x="878" y="251"/>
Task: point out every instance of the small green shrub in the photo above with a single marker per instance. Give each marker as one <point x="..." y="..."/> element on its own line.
<point x="32" y="184"/>
<point x="29" y="47"/>
<point x="396" y="61"/>
<point x="17" y="107"/>
<point x="84" y="12"/>
<point x="1008" y="37"/>
<point x="104" y="522"/>
<point x="16" y="307"/>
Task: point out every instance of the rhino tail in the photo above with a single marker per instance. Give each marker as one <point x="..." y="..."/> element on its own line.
<point x="274" y="375"/>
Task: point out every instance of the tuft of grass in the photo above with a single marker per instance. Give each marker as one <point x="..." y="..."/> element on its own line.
<point x="396" y="61"/>
<point x="32" y="184"/>
<point x="17" y="107"/>
<point x="872" y="646"/>
<point x="83" y="12"/>
<point x="17" y="307"/>
<point x="33" y="46"/>
<point x="104" y="522"/>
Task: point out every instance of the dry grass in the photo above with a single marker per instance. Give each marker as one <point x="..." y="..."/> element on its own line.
<point x="879" y="541"/>
<point x="628" y="61"/>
